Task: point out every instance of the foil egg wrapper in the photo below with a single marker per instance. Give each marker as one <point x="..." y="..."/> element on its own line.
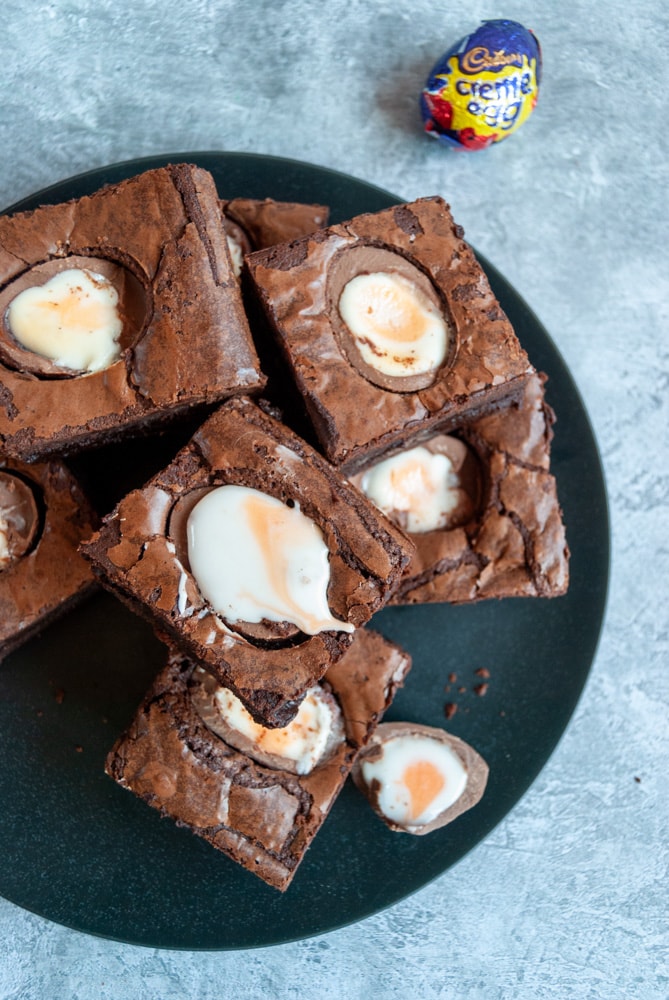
<point x="484" y="88"/>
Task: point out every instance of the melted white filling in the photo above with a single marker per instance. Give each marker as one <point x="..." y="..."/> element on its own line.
<point x="419" y="483"/>
<point x="236" y="254"/>
<point x="72" y="319"/>
<point x="255" y="558"/>
<point x="5" y="557"/>
<point x="419" y="779"/>
<point x="397" y="329"/>
<point x="303" y="741"/>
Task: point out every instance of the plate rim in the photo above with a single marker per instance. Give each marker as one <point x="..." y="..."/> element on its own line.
<point x="137" y="165"/>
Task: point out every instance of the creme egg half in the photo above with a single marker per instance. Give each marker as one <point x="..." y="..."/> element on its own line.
<point x="72" y="319"/>
<point x="419" y="778"/>
<point x="309" y="739"/>
<point x="396" y="328"/>
<point x="255" y="558"/>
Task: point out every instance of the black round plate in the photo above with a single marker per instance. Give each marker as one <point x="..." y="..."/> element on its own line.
<point x="80" y="851"/>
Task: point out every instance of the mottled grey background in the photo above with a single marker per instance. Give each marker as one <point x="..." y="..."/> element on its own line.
<point x="568" y="896"/>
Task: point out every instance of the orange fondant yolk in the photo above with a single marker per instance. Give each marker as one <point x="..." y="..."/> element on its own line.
<point x="424" y="781"/>
<point x="76" y="310"/>
<point x="399" y="317"/>
<point x="411" y="480"/>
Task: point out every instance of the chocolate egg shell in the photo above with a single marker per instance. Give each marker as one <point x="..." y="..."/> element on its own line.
<point x="133" y="307"/>
<point x="484" y="87"/>
<point x="470" y="761"/>
<point x="19" y="518"/>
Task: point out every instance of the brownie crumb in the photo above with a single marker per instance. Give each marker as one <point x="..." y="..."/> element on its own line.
<point x="450" y="708"/>
<point x="462" y="690"/>
<point x="637" y="779"/>
<point x="480" y="689"/>
<point x="79" y="749"/>
<point x="452" y="678"/>
<point x="482" y="672"/>
<point x="60" y="696"/>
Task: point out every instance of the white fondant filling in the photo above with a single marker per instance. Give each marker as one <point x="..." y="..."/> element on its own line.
<point x="72" y="319"/>
<point x="255" y="558"/>
<point x="396" y="327"/>
<point x="5" y="557"/>
<point x="419" y="483"/>
<point x="236" y="254"/>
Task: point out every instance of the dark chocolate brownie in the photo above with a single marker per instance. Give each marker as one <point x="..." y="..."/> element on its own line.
<point x="263" y="818"/>
<point x="141" y="553"/>
<point x="185" y="339"/>
<point x="509" y="540"/>
<point x="258" y="224"/>
<point x="43" y="517"/>
<point x="356" y="411"/>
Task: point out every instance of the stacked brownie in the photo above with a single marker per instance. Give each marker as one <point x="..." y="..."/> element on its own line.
<point x="259" y="553"/>
<point x="263" y="817"/>
<point x="142" y="554"/>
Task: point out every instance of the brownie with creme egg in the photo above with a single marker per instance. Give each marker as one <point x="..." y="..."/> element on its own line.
<point x="44" y="515"/>
<point x="389" y="327"/>
<point x="480" y="506"/>
<point x="118" y="311"/>
<point x="253" y="556"/>
<point x="258" y="795"/>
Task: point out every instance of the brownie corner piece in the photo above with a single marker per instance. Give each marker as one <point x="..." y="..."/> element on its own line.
<point x="366" y="388"/>
<point x="255" y="224"/>
<point x="142" y="554"/>
<point x="43" y="517"/>
<point x="262" y="817"/>
<point x="155" y="241"/>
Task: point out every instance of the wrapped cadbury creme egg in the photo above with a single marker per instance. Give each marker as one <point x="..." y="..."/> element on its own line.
<point x="483" y="88"/>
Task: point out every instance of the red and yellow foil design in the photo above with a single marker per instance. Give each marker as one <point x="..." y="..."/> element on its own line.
<point x="480" y="93"/>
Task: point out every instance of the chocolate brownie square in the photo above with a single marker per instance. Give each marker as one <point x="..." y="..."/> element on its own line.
<point x="43" y="517"/>
<point x="237" y="506"/>
<point x="390" y="328"/>
<point x="263" y="817"/>
<point x="119" y="310"/>
<point x="489" y="489"/>
<point x="253" y="224"/>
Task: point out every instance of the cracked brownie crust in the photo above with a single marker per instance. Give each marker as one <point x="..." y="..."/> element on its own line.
<point x="266" y="222"/>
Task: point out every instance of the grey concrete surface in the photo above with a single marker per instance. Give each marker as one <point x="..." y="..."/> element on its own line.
<point x="568" y="896"/>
